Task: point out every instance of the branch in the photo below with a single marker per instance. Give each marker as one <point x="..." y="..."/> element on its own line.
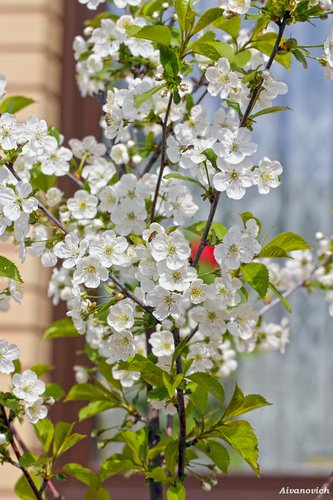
<point x="18" y="456"/>
<point x="325" y="487"/>
<point x="181" y="413"/>
<point x="203" y="241"/>
<point x="163" y="145"/>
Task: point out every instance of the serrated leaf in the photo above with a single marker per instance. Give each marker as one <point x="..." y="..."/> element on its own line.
<point x="9" y="270"/>
<point x="177" y="492"/>
<point x="287" y="241"/>
<point x="216" y="452"/>
<point x="206" y="19"/>
<point x="241" y="404"/>
<point x="241" y="437"/>
<point x="15" y="103"/>
<point x="82" y="474"/>
<point x="273" y="252"/>
<point x="94" y="408"/>
<point x="272" y="109"/>
<point x="174" y="175"/>
<point x="87" y="392"/>
<point x="23" y="489"/>
<point x="209" y="383"/>
<point x="199" y="397"/>
<point x="169" y="61"/>
<point x="142" y="98"/>
<point x="44" y="430"/>
<point x="114" y="465"/>
<point x="100" y="494"/>
<point x="171" y="455"/>
<point x="157" y="33"/>
<point x="230" y="26"/>
<point x="280" y="296"/>
<point x="183" y="9"/>
<point x="61" y="328"/>
<point x="257" y="276"/>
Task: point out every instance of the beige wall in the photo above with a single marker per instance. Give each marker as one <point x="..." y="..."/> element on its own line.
<point x="30" y="58"/>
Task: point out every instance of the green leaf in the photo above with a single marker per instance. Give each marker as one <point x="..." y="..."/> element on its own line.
<point x="171" y="455"/>
<point x="40" y="181"/>
<point x="174" y="175"/>
<point x="273" y="252"/>
<point x="287" y="242"/>
<point x="242" y="58"/>
<point x="15" y="103"/>
<point x="266" y="47"/>
<point x="205" y="49"/>
<point x="142" y="98"/>
<point x="94" y="408"/>
<point x="63" y="438"/>
<point x="206" y="19"/>
<point x="23" y="489"/>
<point x="241" y="437"/>
<point x="82" y="474"/>
<point x="169" y="61"/>
<point x="54" y="391"/>
<point x="183" y="9"/>
<point x="216" y="452"/>
<point x="257" y="276"/>
<point x="40" y="369"/>
<point x="137" y="443"/>
<point x="87" y="392"/>
<point x="300" y="58"/>
<point x="61" y="328"/>
<point x="230" y="26"/>
<point x="150" y="372"/>
<point x="198" y="227"/>
<point x="44" y="430"/>
<point x="177" y="492"/>
<point x="156" y="33"/>
<point x="100" y="494"/>
<point x="280" y="296"/>
<point x="199" y="397"/>
<point x="241" y="404"/>
<point x="10" y="401"/>
<point x="209" y="383"/>
<point x="171" y="385"/>
<point x="114" y="465"/>
<point x="9" y="270"/>
<point x="272" y="109"/>
<point x="28" y="459"/>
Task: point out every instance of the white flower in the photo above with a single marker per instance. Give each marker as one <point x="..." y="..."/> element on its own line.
<point x="165" y="406"/>
<point x="108" y="199"/>
<point x="274" y="336"/>
<point x="197" y="291"/>
<point x="166" y="303"/>
<point x="106" y="39"/>
<point x="119" y="346"/>
<point x="90" y="272"/>
<point x="9" y="132"/>
<point x="328" y="48"/>
<point x="234" y="179"/>
<point x="17" y="200"/>
<point x="35" y="411"/>
<point x="8" y="353"/>
<point x="266" y="176"/>
<point x="56" y="162"/>
<point x="123" y="3"/>
<point x="162" y="343"/>
<point x="83" y="205"/>
<point x="200" y="355"/>
<point x="3" y="85"/>
<point x="129" y="216"/>
<point x="121" y="316"/>
<point x="119" y="154"/>
<point x="127" y="378"/>
<point x="92" y="4"/>
<point x="53" y="196"/>
<point x="98" y="174"/>
<point x="81" y="374"/>
<point x="27" y="386"/>
<point x="224" y="291"/>
<point x="244" y="320"/>
<point x="176" y="279"/>
<point x="227" y="362"/>
<point x="40" y="141"/>
<point x="221" y="79"/>
<point x="71" y="250"/>
<point x="110" y="249"/>
<point x="3" y="439"/>
<point x="179" y="204"/>
<point x="234" y="146"/>
<point x="236" y="247"/>
<point x="210" y="318"/>
<point x="88" y="147"/>
<point x="172" y="248"/>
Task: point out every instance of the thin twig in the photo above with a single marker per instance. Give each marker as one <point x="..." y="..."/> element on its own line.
<point x="152" y="159"/>
<point x="203" y="241"/>
<point x="18" y="456"/>
<point x="75" y="179"/>
<point x="181" y="413"/>
<point x="325" y="487"/>
<point x="163" y="146"/>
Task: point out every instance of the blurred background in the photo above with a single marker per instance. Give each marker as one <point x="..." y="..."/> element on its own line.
<point x="296" y="432"/>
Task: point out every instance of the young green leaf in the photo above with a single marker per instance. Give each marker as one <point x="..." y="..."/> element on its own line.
<point x="287" y="242"/>
<point x="9" y="270"/>
<point x="230" y="26"/>
<point x="61" y="328"/>
<point x="272" y="109"/>
<point x="183" y="10"/>
<point x="177" y="492"/>
<point x="209" y="383"/>
<point x="100" y="494"/>
<point x="280" y="296"/>
<point x="241" y="404"/>
<point x="88" y="392"/>
<point x="157" y="33"/>
<point x="257" y="277"/>
<point x="142" y="98"/>
<point x="216" y="452"/>
<point x="94" y="408"/>
<point x="15" y="103"/>
<point x="206" y="19"/>
<point x="82" y="474"/>
<point x="44" y="430"/>
<point x="174" y="175"/>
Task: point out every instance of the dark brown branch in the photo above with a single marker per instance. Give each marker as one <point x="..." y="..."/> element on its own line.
<point x="18" y="456"/>
<point x="181" y="413"/>
<point x="203" y="241"/>
<point x="163" y="146"/>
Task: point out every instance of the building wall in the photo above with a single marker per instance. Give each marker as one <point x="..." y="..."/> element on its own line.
<point x="30" y="57"/>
